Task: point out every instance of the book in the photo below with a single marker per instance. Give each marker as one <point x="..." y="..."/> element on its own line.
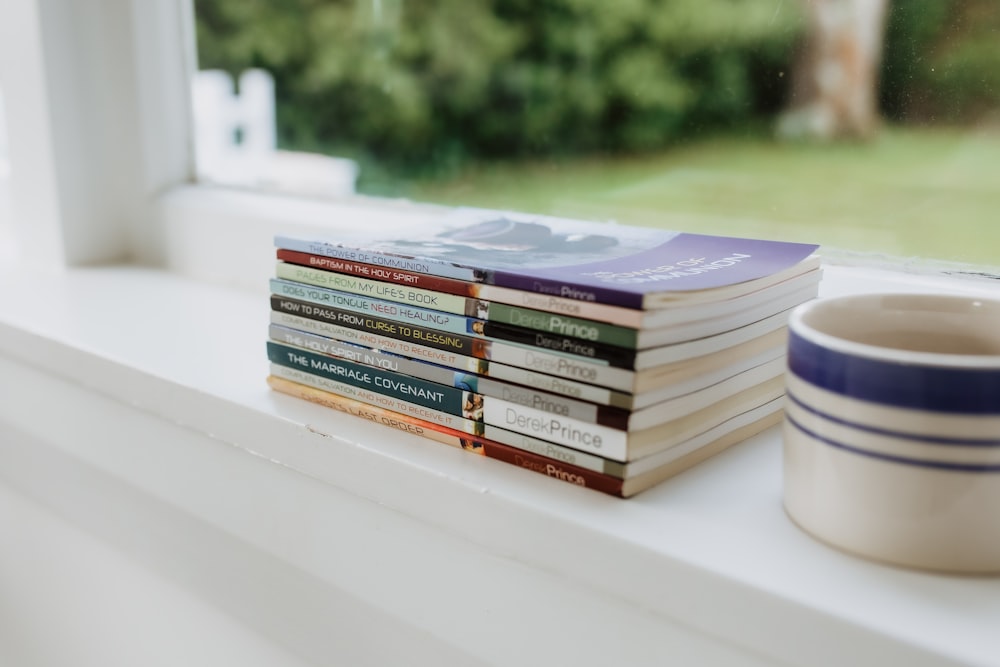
<point x="590" y="371"/>
<point x="650" y="464"/>
<point x="673" y="461"/>
<point x="373" y="398"/>
<point x="588" y="437"/>
<point x="508" y="322"/>
<point x="334" y="391"/>
<point x="337" y="390"/>
<point x="710" y="337"/>
<point x="643" y="322"/>
<point x="683" y="378"/>
<point x="442" y="357"/>
<point x="630" y="446"/>
<point x="452" y="399"/>
<point x="612" y="417"/>
<point x="729" y="350"/>
<point x="632" y="267"/>
<point x="494" y="450"/>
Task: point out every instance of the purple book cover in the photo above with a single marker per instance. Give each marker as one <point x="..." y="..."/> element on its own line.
<point x="588" y="261"/>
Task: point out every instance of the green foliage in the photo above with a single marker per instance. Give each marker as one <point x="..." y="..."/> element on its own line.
<point x="427" y="84"/>
<point x="942" y="60"/>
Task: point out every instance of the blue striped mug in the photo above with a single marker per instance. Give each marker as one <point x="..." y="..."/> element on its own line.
<point x="892" y="428"/>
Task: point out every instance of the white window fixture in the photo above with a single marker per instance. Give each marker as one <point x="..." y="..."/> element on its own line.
<point x="6" y="237"/>
<point x="102" y="133"/>
<point x="98" y="115"/>
<point x="236" y="141"/>
<point x="134" y="416"/>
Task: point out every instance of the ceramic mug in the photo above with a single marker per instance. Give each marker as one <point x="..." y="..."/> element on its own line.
<point x="892" y="428"/>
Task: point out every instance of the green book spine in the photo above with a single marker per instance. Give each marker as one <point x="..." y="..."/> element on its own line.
<point x="574" y="327"/>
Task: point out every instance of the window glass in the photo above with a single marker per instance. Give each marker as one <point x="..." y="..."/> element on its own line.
<point x="865" y="125"/>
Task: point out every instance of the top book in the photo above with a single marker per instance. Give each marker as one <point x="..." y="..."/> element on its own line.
<point x="633" y="267"/>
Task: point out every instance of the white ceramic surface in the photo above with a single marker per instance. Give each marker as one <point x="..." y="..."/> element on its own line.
<point x="925" y="329"/>
<point x="899" y="514"/>
<point x="892" y="428"/>
<point x="899" y="420"/>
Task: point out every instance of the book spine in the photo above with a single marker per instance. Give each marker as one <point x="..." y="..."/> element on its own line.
<point x="456" y="324"/>
<point x="573" y="327"/>
<point x="439" y="320"/>
<point x="378" y="400"/>
<point x="619" y="379"/>
<point x="624" y="317"/>
<point x="466" y="426"/>
<point x="371" y="282"/>
<point x="590" y="310"/>
<point x="552" y="403"/>
<point x="591" y="438"/>
<point x="445" y="269"/>
<point x="571" y="368"/>
<point x="409" y="278"/>
<point x="613" y="356"/>
<point x="410" y="296"/>
<point x="356" y="408"/>
<point x="429" y="265"/>
<point x="519" y="376"/>
<point x="553" y="451"/>
<point x="361" y="355"/>
<point x="464" y="345"/>
<point x="560" y="385"/>
<point x="383" y="343"/>
<point x="413" y="390"/>
<point x="564" y="289"/>
<point x="549" y="467"/>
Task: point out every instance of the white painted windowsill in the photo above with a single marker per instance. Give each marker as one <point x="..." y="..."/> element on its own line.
<point x="127" y="384"/>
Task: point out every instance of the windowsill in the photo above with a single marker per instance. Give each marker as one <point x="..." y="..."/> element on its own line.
<point x="710" y="552"/>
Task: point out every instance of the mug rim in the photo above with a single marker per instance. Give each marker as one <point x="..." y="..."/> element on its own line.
<point x="798" y="326"/>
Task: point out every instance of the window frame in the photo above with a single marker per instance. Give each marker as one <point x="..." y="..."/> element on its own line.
<point x="97" y="105"/>
<point x="80" y="80"/>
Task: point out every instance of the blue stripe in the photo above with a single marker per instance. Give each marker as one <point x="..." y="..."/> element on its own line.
<point x="929" y="439"/>
<point x="920" y="463"/>
<point x="939" y="389"/>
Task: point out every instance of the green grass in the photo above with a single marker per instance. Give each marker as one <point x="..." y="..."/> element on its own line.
<point x="910" y="193"/>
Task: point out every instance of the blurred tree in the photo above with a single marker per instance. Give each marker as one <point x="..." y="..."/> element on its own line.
<point x="835" y="79"/>
<point x="428" y="84"/>
<point x="942" y="61"/>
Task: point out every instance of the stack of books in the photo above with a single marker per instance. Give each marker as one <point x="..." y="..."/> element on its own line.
<point x="607" y="356"/>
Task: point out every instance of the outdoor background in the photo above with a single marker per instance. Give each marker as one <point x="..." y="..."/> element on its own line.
<point x="868" y="125"/>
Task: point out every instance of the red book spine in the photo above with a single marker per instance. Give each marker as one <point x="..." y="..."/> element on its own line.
<point x="421" y="280"/>
<point x="549" y="467"/>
